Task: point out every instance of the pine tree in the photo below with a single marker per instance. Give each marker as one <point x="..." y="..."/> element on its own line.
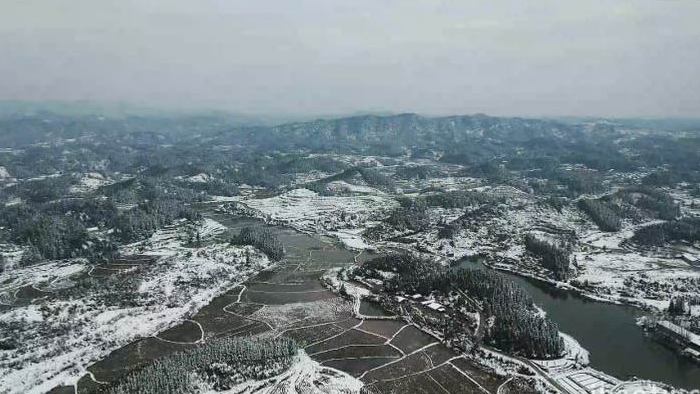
<point x="553" y="257"/>
<point x="601" y="214"/>
<point x="31" y="256"/>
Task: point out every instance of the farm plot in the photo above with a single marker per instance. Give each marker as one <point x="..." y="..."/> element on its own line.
<point x="487" y="380"/>
<point x="420" y="384"/>
<point x="25" y="295"/>
<point x="344" y="320"/>
<point x="290" y="301"/>
<point x="331" y="257"/>
<point x="219" y="303"/>
<point x="279" y="298"/>
<point x="349" y="323"/>
<point x="290" y="275"/>
<point x="358" y="352"/>
<point x="284" y="287"/>
<point x="62" y="390"/>
<point x="314" y="334"/>
<point x="411" y="339"/>
<point x="223" y="324"/>
<point x="188" y="332"/>
<point x="356" y="367"/>
<point x="305" y="314"/>
<point x="439" y="354"/>
<point x="349" y="337"/>
<point x="409" y="365"/>
<point x="87" y="384"/>
<point x="454" y="381"/>
<point x="132" y="356"/>
<point x="242" y="308"/>
<point x="104" y="271"/>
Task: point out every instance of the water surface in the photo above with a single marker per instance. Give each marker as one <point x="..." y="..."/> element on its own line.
<point x="609" y="332"/>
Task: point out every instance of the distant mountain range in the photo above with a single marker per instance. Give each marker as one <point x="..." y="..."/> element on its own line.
<point x="464" y="139"/>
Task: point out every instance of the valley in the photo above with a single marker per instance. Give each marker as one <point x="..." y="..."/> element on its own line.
<point x="336" y="257"/>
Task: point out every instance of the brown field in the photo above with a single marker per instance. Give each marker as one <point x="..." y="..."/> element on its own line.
<point x="243" y="309"/>
<point x="439" y="354"/>
<point x="419" y="384"/>
<point x="385" y="328"/>
<point x="409" y="365"/>
<point x="314" y="334"/>
<point x="358" y="351"/>
<point x="278" y="287"/>
<point x="187" y="331"/>
<point x="454" y="381"/>
<point x="279" y="298"/>
<point x="488" y="380"/>
<point x="28" y="293"/>
<point x="349" y="323"/>
<point x="357" y="367"/>
<point x="411" y="339"/>
<point x="350" y="337"/>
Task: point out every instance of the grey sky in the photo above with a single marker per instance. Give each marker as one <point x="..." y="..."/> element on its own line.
<point x="607" y="58"/>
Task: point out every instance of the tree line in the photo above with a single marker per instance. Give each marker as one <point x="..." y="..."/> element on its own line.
<point x="554" y="257"/>
<point x="469" y="219"/>
<point x="651" y="199"/>
<point x="147" y="217"/>
<point x="601" y="214"/>
<point x="411" y="215"/>
<point x="370" y="176"/>
<point x="220" y="364"/>
<point x="458" y="199"/>
<point x="63" y="228"/>
<point x="517" y="326"/>
<point x="262" y="238"/>
<point x="659" y="234"/>
<point x="58" y="230"/>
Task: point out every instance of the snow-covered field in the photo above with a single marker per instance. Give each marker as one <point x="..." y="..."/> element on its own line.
<point x="307" y="211"/>
<point x="607" y="265"/>
<point x="305" y="376"/>
<point x="89" y="182"/>
<point x="352" y="239"/>
<point x="280" y="316"/>
<point x="60" y="336"/>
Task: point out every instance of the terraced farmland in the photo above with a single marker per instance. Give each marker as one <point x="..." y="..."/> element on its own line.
<point x="288" y="300"/>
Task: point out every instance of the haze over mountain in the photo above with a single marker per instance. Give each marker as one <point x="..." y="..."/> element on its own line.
<point x="349" y="197"/>
<point x="317" y="57"/>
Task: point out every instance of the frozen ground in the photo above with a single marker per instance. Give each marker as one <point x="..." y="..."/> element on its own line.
<point x="58" y="337"/>
<point x="307" y="211"/>
<point x="607" y="265"/>
<point x="352" y="239"/>
<point x="306" y="376"/>
<point x="88" y="182"/>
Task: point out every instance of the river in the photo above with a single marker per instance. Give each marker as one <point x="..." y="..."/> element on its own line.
<point x="372" y="350"/>
<point x="609" y="332"/>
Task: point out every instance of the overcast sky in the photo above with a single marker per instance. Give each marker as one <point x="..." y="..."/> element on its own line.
<point x="527" y="58"/>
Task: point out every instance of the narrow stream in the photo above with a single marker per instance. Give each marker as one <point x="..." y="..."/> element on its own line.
<point x="609" y="332"/>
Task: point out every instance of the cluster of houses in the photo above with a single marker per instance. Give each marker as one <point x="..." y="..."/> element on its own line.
<point x="425" y="301"/>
